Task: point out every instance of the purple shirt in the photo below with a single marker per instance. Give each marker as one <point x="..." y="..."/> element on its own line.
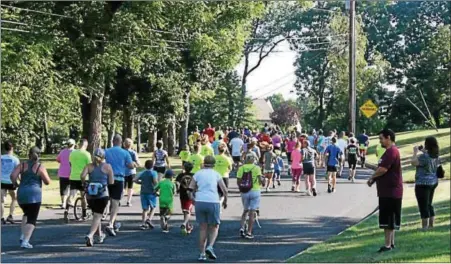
<point x="63" y="158"/>
<point x="276" y="140"/>
<point x="390" y="184"/>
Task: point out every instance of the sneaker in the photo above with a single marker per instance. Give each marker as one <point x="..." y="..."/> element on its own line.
<point x="62" y="206"/>
<point x="267" y="189"/>
<point x="100" y="239"/>
<point x="383" y="249"/>
<point x="189" y="229"/>
<point x="110" y="231"/>
<point x="210" y="253"/>
<point x="353" y="180"/>
<point x="89" y="241"/>
<point x="314" y="191"/>
<point x="329" y="188"/>
<point x="66" y="217"/>
<point x="242" y="233"/>
<point x="10" y="219"/>
<point x="22" y="237"/>
<point x="309" y="193"/>
<point x="26" y="244"/>
<point x="292" y="188"/>
<point x="117" y="226"/>
<point x="202" y="257"/>
<point x="249" y="236"/>
<point x="149" y="224"/>
<point x="143" y="227"/>
<point x="392" y="246"/>
<point x="129" y="204"/>
<point x="3" y="221"/>
<point x="333" y="190"/>
<point x="165" y="230"/>
<point x="278" y="182"/>
<point x="273" y="186"/>
<point x="183" y="229"/>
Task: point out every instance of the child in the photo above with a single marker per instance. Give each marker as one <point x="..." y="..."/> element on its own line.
<point x="278" y="168"/>
<point x="183" y="181"/>
<point x="148" y="180"/>
<point x="167" y="191"/>
<point x="184" y="155"/>
<point x="268" y="165"/>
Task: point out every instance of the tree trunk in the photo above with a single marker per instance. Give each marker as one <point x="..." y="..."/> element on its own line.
<point x="95" y="133"/>
<point x="112" y="127"/>
<point x="138" y="135"/>
<point x="165" y="138"/>
<point x="152" y="139"/>
<point x="171" y="137"/>
<point x="86" y="114"/>
<point x="125" y="118"/>
<point x="48" y="143"/>
<point x="130" y="124"/>
<point x="184" y="123"/>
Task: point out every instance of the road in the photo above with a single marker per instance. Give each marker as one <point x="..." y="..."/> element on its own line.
<point x="291" y="222"/>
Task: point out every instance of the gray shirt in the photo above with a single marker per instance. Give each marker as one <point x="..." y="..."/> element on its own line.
<point x="426" y="170"/>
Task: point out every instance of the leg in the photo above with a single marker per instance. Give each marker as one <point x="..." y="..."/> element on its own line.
<point x="251" y="221"/>
<point x="114" y="211"/>
<point x="212" y="234"/>
<point x="389" y="234"/>
<point x="22" y="226"/>
<point x="334" y="180"/>
<point x="243" y="218"/>
<point x="393" y="238"/>
<point x="307" y="182"/>
<point x="12" y="193"/>
<point x="96" y="224"/>
<point x="203" y="237"/>
<point x="129" y="195"/>
<point x="28" y="231"/>
<point x="144" y="216"/>
<point x="422" y="200"/>
<point x="151" y="214"/>
<point x="431" y="207"/>
<point x="3" y="201"/>
<point x="71" y="197"/>
<point x="313" y="181"/>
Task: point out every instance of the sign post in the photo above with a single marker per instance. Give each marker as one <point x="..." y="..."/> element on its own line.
<point x="369" y="108"/>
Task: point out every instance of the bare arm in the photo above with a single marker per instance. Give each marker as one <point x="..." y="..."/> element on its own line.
<point x="414" y="161"/>
<point x="192" y="189"/>
<point x="167" y="161"/>
<point x="15" y="175"/>
<point x="378" y="173"/>
<point x="110" y="174"/>
<point x="84" y="173"/>
<point x="224" y="192"/>
<point x="44" y="175"/>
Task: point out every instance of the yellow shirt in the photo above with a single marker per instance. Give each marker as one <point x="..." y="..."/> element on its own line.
<point x="223" y="165"/>
<point x="191" y="140"/>
<point x="217" y="134"/>
<point x="206" y="150"/>
<point x="184" y="155"/>
<point x="197" y="160"/>
<point x="256" y="173"/>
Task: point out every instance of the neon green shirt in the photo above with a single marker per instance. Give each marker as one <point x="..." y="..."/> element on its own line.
<point x="256" y="174"/>
<point x="78" y="160"/>
<point x="223" y="165"/>
<point x="206" y="150"/>
<point x="167" y="191"/>
<point x="197" y="160"/>
<point x="184" y="155"/>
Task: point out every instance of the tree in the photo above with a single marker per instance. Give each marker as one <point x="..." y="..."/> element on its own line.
<point x="285" y="116"/>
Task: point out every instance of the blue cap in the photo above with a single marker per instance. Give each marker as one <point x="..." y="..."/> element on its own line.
<point x="99" y="153"/>
<point x="169" y="173"/>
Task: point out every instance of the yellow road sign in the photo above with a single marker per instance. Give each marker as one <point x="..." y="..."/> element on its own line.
<point x="369" y="108"/>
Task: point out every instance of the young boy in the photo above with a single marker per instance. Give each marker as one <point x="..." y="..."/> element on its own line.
<point x="278" y="168"/>
<point x="167" y="191"/>
<point x="183" y="181"/>
<point x="184" y="155"/>
<point x="148" y="180"/>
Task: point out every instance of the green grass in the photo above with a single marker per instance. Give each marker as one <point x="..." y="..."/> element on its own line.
<point x="359" y="243"/>
<point x="407" y="140"/>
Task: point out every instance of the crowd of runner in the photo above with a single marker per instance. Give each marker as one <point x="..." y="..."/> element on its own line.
<point x="255" y="158"/>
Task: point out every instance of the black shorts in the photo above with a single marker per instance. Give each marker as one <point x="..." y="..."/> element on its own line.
<point x="289" y="157"/>
<point x="161" y="170"/>
<point x="115" y="190"/>
<point x="8" y="186"/>
<point x="236" y="158"/>
<point x="308" y="168"/>
<point x="64" y="186"/>
<point x="98" y="205"/>
<point x="128" y="181"/>
<point x="31" y="211"/>
<point x="76" y="185"/>
<point x="390" y="213"/>
<point x="331" y="168"/>
<point x="352" y="163"/>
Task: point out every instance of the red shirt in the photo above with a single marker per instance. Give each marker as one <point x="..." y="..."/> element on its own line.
<point x="390" y="184"/>
<point x="210" y="132"/>
<point x="265" y="138"/>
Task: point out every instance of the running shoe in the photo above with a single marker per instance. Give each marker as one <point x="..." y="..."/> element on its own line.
<point x="210" y="253"/>
<point x="353" y="180"/>
<point x="183" y="229"/>
<point x="249" y="236"/>
<point x="129" y="204"/>
<point x="242" y="233"/>
<point x="99" y="239"/>
<point x="149" y="224"/>
<point x="143" y="227"/>
<point x="202" y="257"/>
<point x="309" y="193"/>
<point x="117" y="226"/>
<point x="110" y="231"/>
<point x="10" y="219"/>
<point x="384" y="248"/>
<point x="26" y="244"/>
<point x="292" y="188"/>
<point x="333" y="190"/>
<point x="66" y="217"/>
<point x="393" y="246"/>
<point x="189" y="229"/>
<point x="89" y="241"/>
<point x="21" y="239"/>
<point x="329" y="188"/>
<point x="267" y="189"/>
<point x="278" y="182"/>
<point x="3" y="221"/>
<point x="314" y="191"/>
<point x="273" y="186"/>
<point x="62" y="206"/>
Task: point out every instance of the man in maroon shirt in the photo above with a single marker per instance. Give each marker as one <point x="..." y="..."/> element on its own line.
<point x="388" y="178"/>
<point x="210" y="132"/>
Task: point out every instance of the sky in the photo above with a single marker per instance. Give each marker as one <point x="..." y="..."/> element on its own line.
<point x="276" y="72"/>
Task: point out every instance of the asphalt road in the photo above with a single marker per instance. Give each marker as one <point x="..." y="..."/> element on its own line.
<point x="291" y="222"/>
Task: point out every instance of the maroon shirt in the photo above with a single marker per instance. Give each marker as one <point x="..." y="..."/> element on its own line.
<point x="389" y="185"/>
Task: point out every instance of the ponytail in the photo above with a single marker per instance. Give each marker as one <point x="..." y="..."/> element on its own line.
<point x="97" y="160"/>
<point x="33" y="157"/>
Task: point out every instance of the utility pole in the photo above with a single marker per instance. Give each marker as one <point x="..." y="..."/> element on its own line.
<point x="352" y="79"/>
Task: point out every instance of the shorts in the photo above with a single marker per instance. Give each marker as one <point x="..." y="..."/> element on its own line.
<point x="128" y="181"/>
<point x="161" y="170"/>
<point x="208" y="213"/>
<point x="64" y="186"/>
<point x="165" y="211"/>
<point x="76" y="185"/>
<point x="236" y="158"/>
<point x="390" y="213"/>
<point x="98" y="205"/>
<point x="289" y="156"/>
<point x="187" y="205"/>
<point x="362" y="151"/>
<point x="31" y="211"/>
<point x="115" y="190"/>
<point x="352" y="163"/>
<point x="251" y="200"/>
<point x="309" y="169"/>
<point x="148" y="201"/>
<point x="332" y="168"/>
<point x="8" y="186"/>
<point x="268" y="171"/>
<point x="296" y="174"/>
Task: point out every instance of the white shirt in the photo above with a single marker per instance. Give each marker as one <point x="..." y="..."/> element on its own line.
<point x="237" y="144"/>
<point x="9" y="163"/>
<point x="207" y="185"/>
<point x="342" y="144"/>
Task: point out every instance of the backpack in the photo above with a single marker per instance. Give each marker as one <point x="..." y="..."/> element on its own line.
<point x="247" y="182"/>
<point x="185" y="181"/>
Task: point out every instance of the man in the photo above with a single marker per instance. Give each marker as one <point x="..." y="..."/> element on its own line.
<point x="219" y="133"/>
<point x="247" y="132"/>
<point x="78" y="160"/>
<point x="119" y="159"/>
<point x="130" y="173"/>
<point x="388" y="178"/>
<point x="191" y="141"/>
<point x="210" y="132"/>
<point x="9" y="163"/>
<point x="216" y="145"/>
<point x="236" y="145"/>
<point x="265" y="138"/>
<point x="342" y="144"/>
<point x="364" y="141"/>
<point x="233" y="134"/>
<point x="333" y="158"/>
<point x="64" y="171"/>
<point x="326" y="142"/>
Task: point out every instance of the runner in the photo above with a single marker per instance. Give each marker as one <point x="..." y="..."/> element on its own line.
<point x="64" y="171"/>
<point x="219" y="133"/>
<point x="308" y="164"/>
<point x="363" y="147"/>
<point x="196" y="159"/>
<point x="100" y="175"/>
<point x="78" y="160"/>
<point x="166" y="189"/>
<point x="320" y="148"/>
<point x="130" y="173"/>
<point x="277" y="141"/>
<point x="278" y="168"/>
<point x="183" y="181"/>
<point x="249" y="180"/>
<point x="353" y="153"/>
<point x="216" y="143"/>
<point x="210" y="133"/>
<point x="252" y="150"/>
<point x="119" y="159"/>
<point x="342" y="144"/>
<point x="161" y="159"/>
<point x="223" y="166"/>
<point x="311" y="138"/>
<point x="184" y="155"/>
<point x="290" y="145"/>
<point x="268" y="168"/>
<point x="333" y="157"/>
<point x="148" y="180"/>
<point x="296" y="168"/>
<point x="236" y="145"/>
<point x="29" y="195"/>
<point x="326" y="143"/>
<point x="206" y="149"/>
<point x="9" y="163"/>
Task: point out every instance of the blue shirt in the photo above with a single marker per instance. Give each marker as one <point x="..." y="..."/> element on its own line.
<point x="311" y="139"/>
<point x="426" y="171"/>
<point x="9" y="163"/>
<point x="118" y="158"/>
<point x="215" y="146"/>
<point x="363" y="139"/>
<point x="134" y="156"/>
<point x="334" y="153"/>
<point x="147" y="177"/>
<point x="278" y="165"/>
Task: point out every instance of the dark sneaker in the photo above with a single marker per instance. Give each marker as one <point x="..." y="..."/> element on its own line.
<point x="143" y="227"/>
<point x="202" y="257"/>
<point x="278" y="182"/>
<point x="329" y="188"/>
<point x="249" y="236"/>
<point x="383" y="249"/>
<point x="89" y="242"/>
<point x="242" y="233"/>
<point x="292" y="188"/>
<point x="129" y="204"/>
<point x="149" y="224"/>
<point x="110" y="231"/>
<point x="3" y="221"/>
<point x="66" y="217"/>
<point x="210" y="253"/>
<point x="183" y="229"/>
<point x="314" y="191"/>
<point x="10" y="219"/>
<point x="392" y="246"/>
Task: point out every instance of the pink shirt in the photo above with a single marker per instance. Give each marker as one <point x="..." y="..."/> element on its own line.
<point x="63" y="158"/>
<point x="290" y="145"/>
<point x="296" y="159"/>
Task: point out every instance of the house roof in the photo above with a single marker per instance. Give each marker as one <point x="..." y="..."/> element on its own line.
<point x="263" y="109"/>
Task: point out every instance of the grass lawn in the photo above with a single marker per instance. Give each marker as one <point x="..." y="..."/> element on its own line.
<point x="360" y="242"/>
<point x="406" y="141"/>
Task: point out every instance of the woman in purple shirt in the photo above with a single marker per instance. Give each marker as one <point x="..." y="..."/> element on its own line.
<point x="64" y="171"/>
<point x="277" y="141"/>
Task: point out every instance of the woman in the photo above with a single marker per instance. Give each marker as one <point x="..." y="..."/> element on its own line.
<point x="277" y="141"/>
<point x="296" y="168"/>
<point x="161" y="159"/>
<point x="31" y="175"/>
<point x="308" y="164"/>
<point x="320" y="148"/>
<point x="291" y="143"/>
<point x="64" y="171"/>
<point x="100" y="176"/>
<point x="203" y="190"/>
<point x="426" y="179"/>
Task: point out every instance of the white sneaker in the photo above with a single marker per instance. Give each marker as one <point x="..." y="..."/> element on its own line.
<point x="26" y="244"/>
<point x="353" y="180"/>
<point x="309" y="193"/>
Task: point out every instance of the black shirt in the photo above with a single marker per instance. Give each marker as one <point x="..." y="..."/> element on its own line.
<point x="184" y="179"/>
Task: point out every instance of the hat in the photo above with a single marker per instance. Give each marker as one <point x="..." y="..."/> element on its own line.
<point x="209" y="161"/>
<point x="99" y="153"/>
<point x="71" y="142"/>
<point x="169" y="173"/>
<point x="34" y="150"/>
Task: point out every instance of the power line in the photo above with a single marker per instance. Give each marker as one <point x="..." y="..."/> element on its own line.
<point x="273" y="82"/>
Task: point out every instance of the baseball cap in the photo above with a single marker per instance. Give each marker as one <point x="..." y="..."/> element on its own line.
<point x="99" y="153"/>
<point x="35" y="150"/>
<point x="169" y="173"/>
<point x="71" y="142"/>
<point x="209" y="161"/>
